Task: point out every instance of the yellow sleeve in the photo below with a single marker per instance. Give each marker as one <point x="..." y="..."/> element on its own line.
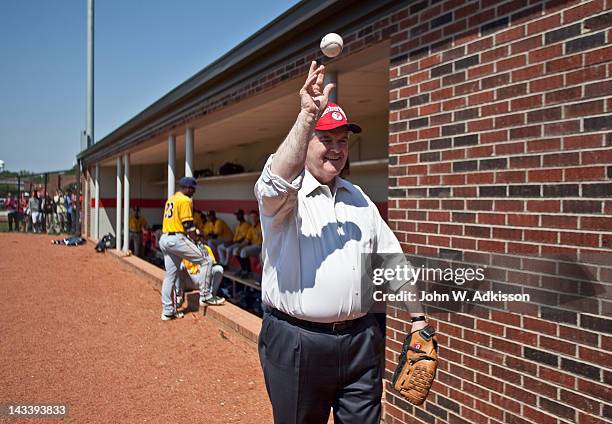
<point x="225" y="233"/>
<point x="185" y="210"/>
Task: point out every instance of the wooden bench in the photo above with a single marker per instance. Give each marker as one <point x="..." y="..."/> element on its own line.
<point x="235" y="278"/>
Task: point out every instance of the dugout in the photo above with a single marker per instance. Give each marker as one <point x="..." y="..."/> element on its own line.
<point x="486" y="135"/>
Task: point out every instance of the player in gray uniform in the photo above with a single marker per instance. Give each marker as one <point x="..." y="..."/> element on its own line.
<point x="177" y="244"/>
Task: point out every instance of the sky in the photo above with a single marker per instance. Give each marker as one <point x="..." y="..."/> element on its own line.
<point x="143" y="49"/>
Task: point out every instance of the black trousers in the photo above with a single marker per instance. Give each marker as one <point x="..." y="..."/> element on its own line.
<point x="309" y="372"/>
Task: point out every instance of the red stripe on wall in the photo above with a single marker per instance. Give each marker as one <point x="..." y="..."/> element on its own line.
<point x="134" y="203"/>
<point x="220" y="206"/>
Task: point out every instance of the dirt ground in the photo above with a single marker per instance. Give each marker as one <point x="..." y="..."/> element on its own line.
<point x="80" y="329"/>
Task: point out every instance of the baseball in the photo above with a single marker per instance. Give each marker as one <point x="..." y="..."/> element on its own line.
<point x="331" y="45"/>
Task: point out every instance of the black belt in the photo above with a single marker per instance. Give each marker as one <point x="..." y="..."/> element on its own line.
<point x="318" y="326"/>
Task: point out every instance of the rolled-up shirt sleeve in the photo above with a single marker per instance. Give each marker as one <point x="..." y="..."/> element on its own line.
<point x="276" y="196"/>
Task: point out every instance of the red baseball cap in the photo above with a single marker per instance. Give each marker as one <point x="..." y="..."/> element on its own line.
<point x="334" y="117"/>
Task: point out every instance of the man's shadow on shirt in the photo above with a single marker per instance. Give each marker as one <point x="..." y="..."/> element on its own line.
<point x="332" y="237"/>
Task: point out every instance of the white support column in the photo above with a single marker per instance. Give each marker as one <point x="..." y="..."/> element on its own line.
<point x="126" y="202"/>
<point x="119" y="228"/>
<point x="86" y="203"/>
<point x="97" y="208"/>
<point x="332" y="78"/>
<point x="171" y="162"/>
<point x="189" y="152"/>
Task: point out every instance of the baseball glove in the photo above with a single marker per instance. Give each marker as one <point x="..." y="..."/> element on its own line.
<point x="417" y="365"/>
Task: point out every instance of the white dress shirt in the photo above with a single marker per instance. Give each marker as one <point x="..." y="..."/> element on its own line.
<point x="313" y="241"/>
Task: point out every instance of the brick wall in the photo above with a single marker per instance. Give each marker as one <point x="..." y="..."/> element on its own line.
<point x="499" y="146"/>
<point x="501" y="151"/>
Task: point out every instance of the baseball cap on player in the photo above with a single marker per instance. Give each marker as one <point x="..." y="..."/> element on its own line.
<point x="334" y="117"/>
<point x="188" y="182"/>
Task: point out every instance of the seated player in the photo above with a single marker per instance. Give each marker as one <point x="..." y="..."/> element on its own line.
<point x="198" y="220"/>
<point x="251" y="245"/>
<point x="220" y="232"/>
<point x="240" y="233"/>
<point x="192" y="278"/>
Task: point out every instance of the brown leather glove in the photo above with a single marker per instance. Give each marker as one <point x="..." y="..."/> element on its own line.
<point x="417" y="365"/>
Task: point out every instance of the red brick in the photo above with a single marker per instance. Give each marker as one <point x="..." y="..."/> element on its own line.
<point x="509" y="120"/>
<point x="598" y="89"/>
<point x="549" y="237"/>
<point x="442" y="94"/>
<point x="561" y="128"/>
<point x="491" y="246"/>
<point x="596" y="390"/>
<point x="480" y="125"/>
<point x="528" y="102"/>
<point x="494" y="136"/>
<point x="509" y="205"/>
<point x="510" y="148"/>
<point x="595" y="356"/>
<point x="473" y="416"/>
<point x="557" y="345"/>
<point x="560" y="221"/>
<point x="543" y="145"/>
<point x="509" y="34"/>
<point x="523" y="220"/>
<point x="545" y="53"/>
<point x="564" y="95"/>
<point x="511" y="63"/>
<point x="583" y="141"/>
<point x="493" y="55"/>
<point x="552" y="175"/>
<point x="455" y="179"/>
<point x="585" y="174"/>
<point x="579" y="401"/>
<point x="429" y="85"/>
<point x="598" y="56"/>
<point x="528" y="44"/>
<point x="554" y="376"/>
<point x="430" y="61"/>
<point x="479" y="98"/>
<point x="486" y="69"/>
<point x="540" y="387"/>
<point x="510" y="177"/>
<point x="523" y="249"/>
<point x="580" y="239"/>
<point x="479" y="152"/>
<point x="562" y="159"/>
<point x="481" y="178"/>
<point x="589" y="9"/>
<point x="489" y="410"/>
<point x="520" y="394"/>
<point x="590" y="419"/>
<point x="595" y="223"/>
<point x="469" y="9"/>
<point x="546" y="83"/>
<point x="564" y="64"/>
<point x="506" y="318"/>
<point x="495" y="108"/>
<point x="544" y="24"/>
<point x="538" y="416"/>
<point x="505" y="402"/>
<point x="583" y="109"/>
<point x="528" y="73"/>
<point x="586" y="74"/>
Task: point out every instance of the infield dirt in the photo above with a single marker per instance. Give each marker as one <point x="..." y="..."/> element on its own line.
<point x="79" y="328"/>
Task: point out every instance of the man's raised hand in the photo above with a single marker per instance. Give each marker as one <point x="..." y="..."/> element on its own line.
<point x="313" y="95"/>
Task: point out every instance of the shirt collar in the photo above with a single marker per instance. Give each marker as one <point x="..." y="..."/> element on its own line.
<point x="310" y="183"/>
